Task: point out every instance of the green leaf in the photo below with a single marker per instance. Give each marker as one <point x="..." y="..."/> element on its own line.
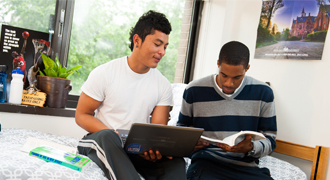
<point x="41" y="73"/>
<point x="74" y="68"/>
<point x="63" y="70"/>
<point x="69" y="73"/>
<point x="48" y="62"/>
<point x="63" y="75"/>
<point x="50" y="72"/>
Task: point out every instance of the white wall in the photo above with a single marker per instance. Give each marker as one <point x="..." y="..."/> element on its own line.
<point x="49" y="124"/>
<point x="300" y="86"/>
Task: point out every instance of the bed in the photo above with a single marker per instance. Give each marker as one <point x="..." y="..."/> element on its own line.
<point x="319" y="155"/>
<point x="15" y="164"/>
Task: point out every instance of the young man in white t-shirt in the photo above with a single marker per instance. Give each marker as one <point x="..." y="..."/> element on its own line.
<point x="124" y="91"/>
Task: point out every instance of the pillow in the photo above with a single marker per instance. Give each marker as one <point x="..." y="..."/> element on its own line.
<point x="177" y="89"/>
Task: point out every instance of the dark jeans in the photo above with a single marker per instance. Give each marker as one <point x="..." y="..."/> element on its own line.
<point x="203" y="169"/>
<point x="162" y="169"/>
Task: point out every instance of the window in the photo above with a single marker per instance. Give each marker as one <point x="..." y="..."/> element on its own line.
<point x="90" y="33"/>
<point x="31" y="14"/>
<point x="100" y="33"/>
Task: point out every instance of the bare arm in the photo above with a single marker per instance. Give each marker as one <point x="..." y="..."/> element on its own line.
<point x="23" y="48"/>
<point x="160" y="115"/>
<point x="85" y="114"/>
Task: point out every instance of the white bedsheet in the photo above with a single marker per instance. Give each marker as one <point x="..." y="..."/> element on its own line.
<point x="15" y="164"/>
<point x="18" y="165"/>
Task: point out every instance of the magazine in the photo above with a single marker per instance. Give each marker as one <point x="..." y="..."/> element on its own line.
<point x="235" y="138"/>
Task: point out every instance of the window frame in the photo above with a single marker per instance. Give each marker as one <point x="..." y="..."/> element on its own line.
<point x="61" y="43"/>
<point x="196" y="18"/>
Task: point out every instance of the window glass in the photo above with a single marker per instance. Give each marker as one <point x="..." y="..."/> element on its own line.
<point x="30" y="14"/>
<point x="100" y="32"/>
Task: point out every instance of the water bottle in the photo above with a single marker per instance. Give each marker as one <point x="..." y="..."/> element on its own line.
<point x="3" y="83"/>
<point x="16" y="87"/>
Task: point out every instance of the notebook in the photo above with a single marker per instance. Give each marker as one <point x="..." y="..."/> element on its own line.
<point x="169" y="140"/>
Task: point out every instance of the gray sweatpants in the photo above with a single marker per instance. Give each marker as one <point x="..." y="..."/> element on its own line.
<point x="105" y="149"/>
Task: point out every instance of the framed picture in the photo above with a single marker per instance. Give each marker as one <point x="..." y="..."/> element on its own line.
<point x="292" y="29"/>
<point x="21" y="47"/>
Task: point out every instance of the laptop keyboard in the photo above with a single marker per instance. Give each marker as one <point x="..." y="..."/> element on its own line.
<point x="123" y="138"/>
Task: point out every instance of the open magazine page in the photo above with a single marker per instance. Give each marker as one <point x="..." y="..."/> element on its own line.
<point x="235" y="138"/>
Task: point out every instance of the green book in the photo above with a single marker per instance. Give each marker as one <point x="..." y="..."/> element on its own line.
<point x="63" y="158"/>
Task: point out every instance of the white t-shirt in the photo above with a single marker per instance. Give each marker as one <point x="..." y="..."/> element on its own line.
<point x="228" y="95"/>
<point x="126" y="96"/>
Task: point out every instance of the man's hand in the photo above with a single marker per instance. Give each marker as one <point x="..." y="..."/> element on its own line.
<point x="243" y="147"/>
<point x="200" y="145"/>
<point x="151" y="156"/>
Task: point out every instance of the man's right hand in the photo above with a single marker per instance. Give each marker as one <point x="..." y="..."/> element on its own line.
<point x="200" y="145"/>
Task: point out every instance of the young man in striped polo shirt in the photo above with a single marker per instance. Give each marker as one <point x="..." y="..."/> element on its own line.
<point x="224" y="104"/>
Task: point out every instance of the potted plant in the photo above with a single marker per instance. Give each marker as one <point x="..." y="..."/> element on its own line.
<point x="53" y="80"/>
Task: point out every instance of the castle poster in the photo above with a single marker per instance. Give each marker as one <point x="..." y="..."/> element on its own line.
<point x="291" y="29"/>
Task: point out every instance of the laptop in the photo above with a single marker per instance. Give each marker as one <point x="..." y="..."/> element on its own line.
<point x="123" y="133"/>
<point x="169" y="140"/>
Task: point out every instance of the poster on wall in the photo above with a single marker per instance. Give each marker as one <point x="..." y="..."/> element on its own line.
<point x="21" y="48"/>
<point x="292" y="29"/>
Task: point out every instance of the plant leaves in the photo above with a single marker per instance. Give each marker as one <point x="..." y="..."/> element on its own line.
<point x="55" y="69"/>
<point x="63" y="75"/>
<point x="48" y="62"/>
<point x="74" y="68"/>
<point x="69" y="73"/>
<point x="63" y="70"/>
<point x="50" y="72"/>
<point x="41" y="73"/>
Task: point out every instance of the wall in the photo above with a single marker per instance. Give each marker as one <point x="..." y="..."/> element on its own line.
<point x="49" y="124"/>
<point x="300" y="86"/>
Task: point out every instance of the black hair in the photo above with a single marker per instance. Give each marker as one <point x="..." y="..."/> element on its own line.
<point x="234" y="53"/>
<point x="147" y="24"/>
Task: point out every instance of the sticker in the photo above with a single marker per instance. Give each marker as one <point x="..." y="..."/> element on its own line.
<point x="134" y="148"/>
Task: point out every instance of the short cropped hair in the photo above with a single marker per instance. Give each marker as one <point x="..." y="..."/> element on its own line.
<point x="147" y="24"/>
<point x="234" y="53"/>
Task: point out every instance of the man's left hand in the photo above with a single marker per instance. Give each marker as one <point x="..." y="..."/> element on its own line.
<point x="243" y="147"/>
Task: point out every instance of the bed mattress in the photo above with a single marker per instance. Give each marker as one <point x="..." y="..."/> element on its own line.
<point x="15" y="164"/>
